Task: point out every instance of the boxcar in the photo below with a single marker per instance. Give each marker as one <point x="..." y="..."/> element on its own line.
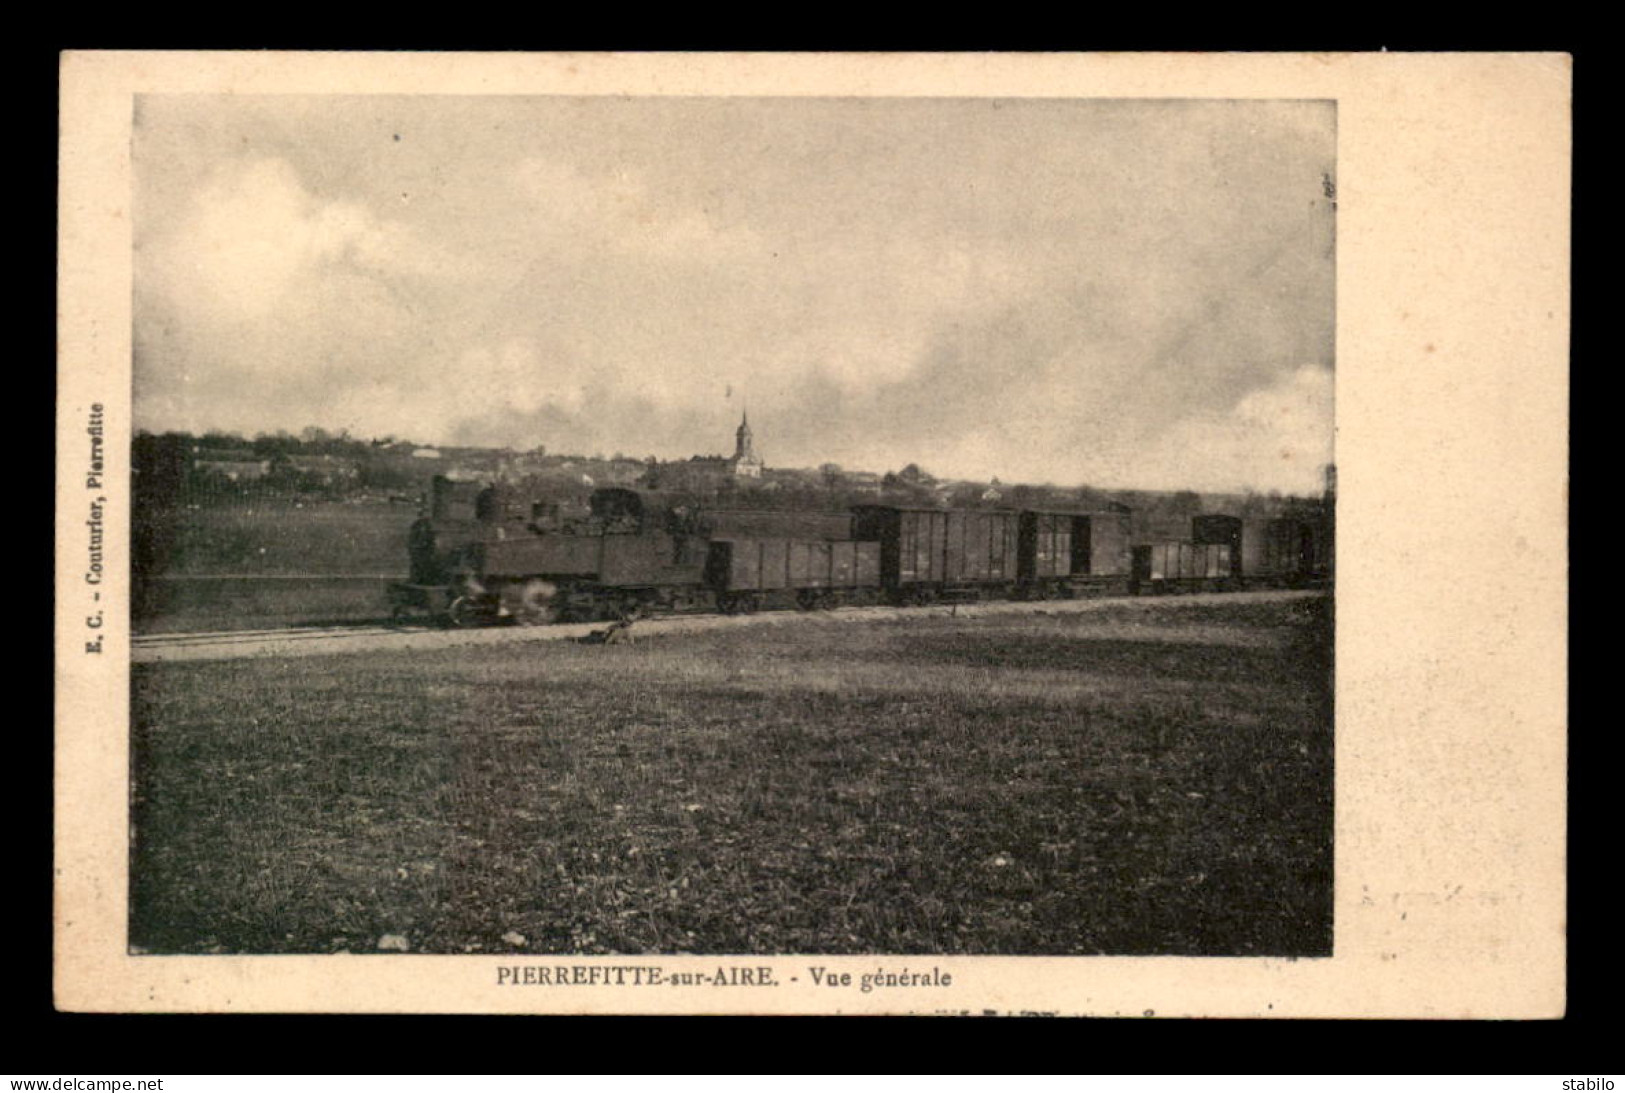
<point x="1268" y="552"/>
<point x="929" y="553"/>
<point x="1222" y="530"/>
<point x="1296" y="549"/>
<point x="1072" y="553"/>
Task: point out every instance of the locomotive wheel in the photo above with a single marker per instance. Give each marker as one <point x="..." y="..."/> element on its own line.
<point x="535" y="602"/>
<point x="464" y="612"/>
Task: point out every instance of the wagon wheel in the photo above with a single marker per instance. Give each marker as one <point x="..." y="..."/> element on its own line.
<point x="535" y="602"/>
<point x="806" y="599"/>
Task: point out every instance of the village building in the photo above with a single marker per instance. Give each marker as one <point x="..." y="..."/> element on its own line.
<point x="231" y="464"/>
<point x="866" y="482"/>
<point x="233" y="470"/>
<point x="329" y="470"/>
<point x="711" y="471"/>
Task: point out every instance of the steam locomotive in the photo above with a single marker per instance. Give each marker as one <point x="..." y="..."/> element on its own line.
<point x="480" y="556"/>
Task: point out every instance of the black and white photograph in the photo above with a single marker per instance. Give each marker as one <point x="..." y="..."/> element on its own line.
<point x="792" y="545"/>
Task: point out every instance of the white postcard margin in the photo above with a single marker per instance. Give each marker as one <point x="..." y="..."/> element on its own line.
<point x="1453" y="240"/>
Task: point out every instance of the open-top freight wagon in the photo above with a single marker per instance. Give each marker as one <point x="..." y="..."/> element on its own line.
<point x="748" y="575"/>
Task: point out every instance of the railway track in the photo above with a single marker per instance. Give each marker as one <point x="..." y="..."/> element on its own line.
<point x="283" y="633"/>
<point x="302" y="641"/>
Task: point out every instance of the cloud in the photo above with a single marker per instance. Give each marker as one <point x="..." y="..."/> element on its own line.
<point x="622" y="211"/>
<point x="1277" y="437"/>
<point x="1080" y="291"/>
<point x="259" y="302"/>
<point x="254" y="235"/>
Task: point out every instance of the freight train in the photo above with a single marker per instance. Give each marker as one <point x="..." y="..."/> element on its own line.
<point x="479" y="556"/>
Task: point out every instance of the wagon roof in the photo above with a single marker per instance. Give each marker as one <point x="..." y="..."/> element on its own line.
<point x="1081" y="512"/>
<point x="871" y="507"/>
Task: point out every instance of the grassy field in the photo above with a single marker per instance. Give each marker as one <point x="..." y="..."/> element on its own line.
<point x="275" y="563"/>
<point x="1128" y="781"/>
<point x="283" y="536"/>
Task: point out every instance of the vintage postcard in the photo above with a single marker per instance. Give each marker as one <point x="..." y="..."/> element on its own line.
<point x="802" y="534"/>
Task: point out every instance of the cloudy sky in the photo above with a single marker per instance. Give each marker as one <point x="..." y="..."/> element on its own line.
<point x="1119" y="293"/>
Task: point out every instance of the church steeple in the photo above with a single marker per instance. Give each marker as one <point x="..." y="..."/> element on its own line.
<point x="745" y="462"/>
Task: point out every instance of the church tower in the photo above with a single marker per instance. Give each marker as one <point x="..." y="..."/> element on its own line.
<point x="746" y="463"/>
